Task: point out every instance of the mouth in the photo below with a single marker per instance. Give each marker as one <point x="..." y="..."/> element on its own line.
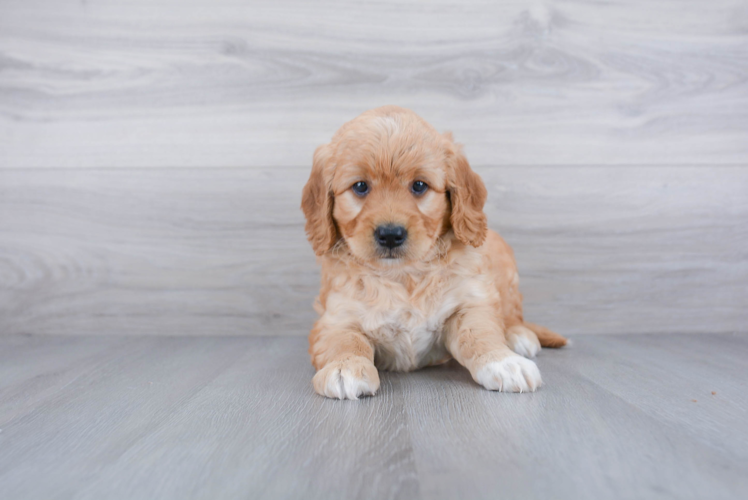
<point x="390" y="253"/>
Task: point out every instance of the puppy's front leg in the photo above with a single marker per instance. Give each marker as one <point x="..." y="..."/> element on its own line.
<point x="344" y="359"/>
<point x="475" y="338"/>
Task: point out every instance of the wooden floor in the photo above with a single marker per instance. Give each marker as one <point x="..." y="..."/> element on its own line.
<point x="634" y="416"/>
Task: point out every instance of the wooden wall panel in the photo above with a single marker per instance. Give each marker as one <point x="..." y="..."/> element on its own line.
<point x="222" y="251"/>
<point x="152" y="153"/>
<point x="166" y="83"/>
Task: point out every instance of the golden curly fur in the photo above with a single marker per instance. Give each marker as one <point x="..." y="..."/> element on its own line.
<point x="449" y="291"/>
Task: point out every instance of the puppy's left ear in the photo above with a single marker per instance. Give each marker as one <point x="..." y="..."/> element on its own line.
<point x="317" y="204"/>
<point x="468" y="195"/>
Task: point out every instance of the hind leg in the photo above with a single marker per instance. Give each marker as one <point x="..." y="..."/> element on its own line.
<point x="523" y="341"/>
<point x="547" y="338"/>
<point x="522" y="337"/>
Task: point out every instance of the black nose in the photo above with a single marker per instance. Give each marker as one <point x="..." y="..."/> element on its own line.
<point x="390" y="236"/>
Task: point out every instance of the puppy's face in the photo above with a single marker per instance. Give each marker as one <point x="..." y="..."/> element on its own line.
<point x="390" y="195"/>
<point x="389" y="185"/>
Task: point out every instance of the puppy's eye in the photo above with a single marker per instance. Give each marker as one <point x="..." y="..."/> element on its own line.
<point x="419" y="187"/>
<point x="360" y="188"/>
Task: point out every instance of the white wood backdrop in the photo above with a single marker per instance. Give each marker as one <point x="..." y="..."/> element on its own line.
<point x="152" y="153"/>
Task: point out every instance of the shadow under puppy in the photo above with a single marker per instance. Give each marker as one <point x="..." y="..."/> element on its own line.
<point x="411" y="275"/>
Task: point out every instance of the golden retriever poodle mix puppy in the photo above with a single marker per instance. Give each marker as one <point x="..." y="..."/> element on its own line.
<point x="411" y="275"/>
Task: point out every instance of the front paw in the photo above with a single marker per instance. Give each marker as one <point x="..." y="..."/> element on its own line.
<point x="511" y="374"/>
<point x="347" y="379"/>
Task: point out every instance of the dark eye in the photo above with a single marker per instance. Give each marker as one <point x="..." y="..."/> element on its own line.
<point x="419" y="187"/>
<point x="360" y="188"/>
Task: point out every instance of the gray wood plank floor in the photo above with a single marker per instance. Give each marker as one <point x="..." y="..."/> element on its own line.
<point x="647" y="416"/>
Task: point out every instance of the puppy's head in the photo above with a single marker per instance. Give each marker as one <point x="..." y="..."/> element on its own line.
<point x="390" y="186"/>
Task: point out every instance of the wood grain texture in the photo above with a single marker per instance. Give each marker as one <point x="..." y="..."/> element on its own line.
<point x="166" y="83"/>
<point x="611" y="136"/>
<point x="223" y="251"/>
<point x="232" y="417"/>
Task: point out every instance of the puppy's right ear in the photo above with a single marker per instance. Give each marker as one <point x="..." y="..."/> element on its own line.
<point x="317" y="203"/>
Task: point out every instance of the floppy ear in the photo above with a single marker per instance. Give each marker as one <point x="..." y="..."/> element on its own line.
<point x="317" y="203"/>
<point x="468" y="195"/>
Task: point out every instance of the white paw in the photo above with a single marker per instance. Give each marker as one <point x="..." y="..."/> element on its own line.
<point x="511" y="374"/>
<point x="347" y="379"/>
<point x="523" y="341"/>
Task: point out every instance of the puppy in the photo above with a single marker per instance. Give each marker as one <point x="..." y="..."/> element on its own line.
<point x="411" y="275"/>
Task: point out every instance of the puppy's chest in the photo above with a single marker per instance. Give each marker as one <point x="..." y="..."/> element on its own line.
<point x="407" y="327"/>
